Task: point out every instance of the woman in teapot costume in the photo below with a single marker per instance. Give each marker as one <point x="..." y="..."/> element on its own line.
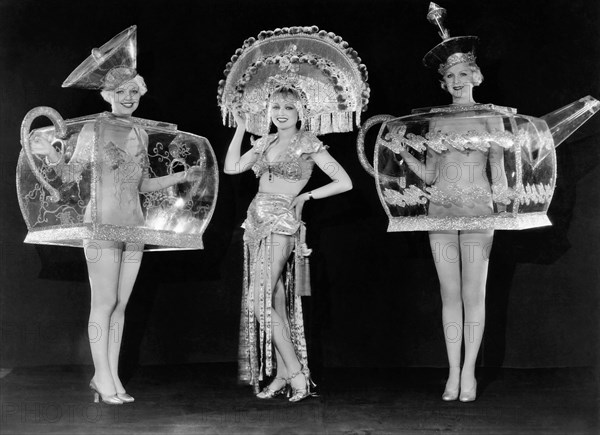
<point x="460" y="186"/>
<point x="289" y="78"/>
<point x="461" y="171"/>
<point x="122" y="168"/>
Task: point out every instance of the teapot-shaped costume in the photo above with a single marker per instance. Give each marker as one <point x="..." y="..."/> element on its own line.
<point x="92" y="192"/>
<point x="474" y="166"/>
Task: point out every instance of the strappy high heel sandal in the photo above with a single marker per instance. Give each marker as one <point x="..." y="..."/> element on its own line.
<point x="299" y="394"/>
<point x="109" y="400"/>
<point x="269" y="393"/>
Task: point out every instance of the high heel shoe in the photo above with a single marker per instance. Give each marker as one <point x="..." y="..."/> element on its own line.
<point x="299" y="394"/>
<point x="470" y="395"/>
<point x="269" y="393"/>
<point x="125" y="398"/>
<point x="450" y="395"/>
<point x="109" y="400"/>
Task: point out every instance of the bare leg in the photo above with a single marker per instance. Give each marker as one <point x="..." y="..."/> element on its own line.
<point x="475" y="251"/>
<point x="103" y="274"/>
<point x="446" y="255"/>
<point x="279" y="306"/>
<point x="129" y="260"/>
<point x="281" y="249"/>
<point x="281" y="377"/>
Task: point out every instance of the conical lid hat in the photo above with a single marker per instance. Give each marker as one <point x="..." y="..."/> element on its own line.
<point x="119" y="54"/>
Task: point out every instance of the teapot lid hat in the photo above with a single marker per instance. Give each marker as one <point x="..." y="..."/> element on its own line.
<point x="109" y="66"/>
<point x="452" y="50"/>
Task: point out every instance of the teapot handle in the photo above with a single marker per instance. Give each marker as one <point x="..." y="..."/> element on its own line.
<point x="360" y="140"/>
<point x="60" y="128"/>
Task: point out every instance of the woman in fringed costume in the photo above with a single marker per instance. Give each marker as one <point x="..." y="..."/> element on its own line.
<point x="306" y="82"/>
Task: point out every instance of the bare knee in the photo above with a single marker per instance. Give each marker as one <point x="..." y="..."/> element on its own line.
<point x="473" y="298"/>
<point x="450" y="293"/>
<point x="279" y="295"/>
<point x="119" y="307"/>
<point x="104" y="303"/>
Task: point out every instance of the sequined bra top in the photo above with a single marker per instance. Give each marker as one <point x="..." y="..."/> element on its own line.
<point x="291" y="164"/>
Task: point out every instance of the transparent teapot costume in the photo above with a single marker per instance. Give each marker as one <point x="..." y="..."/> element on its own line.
<point x="330" y="84"/>
<point x="92" y="192"/>
<point x="467" y="189"/>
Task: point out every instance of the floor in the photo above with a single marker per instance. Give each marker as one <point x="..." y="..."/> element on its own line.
<point x="206" y="399"/>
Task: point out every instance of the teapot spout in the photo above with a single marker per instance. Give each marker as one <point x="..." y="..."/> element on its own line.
<point x="564" y="121"/>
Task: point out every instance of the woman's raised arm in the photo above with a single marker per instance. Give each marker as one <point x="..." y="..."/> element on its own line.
<point x="235" y="163"/>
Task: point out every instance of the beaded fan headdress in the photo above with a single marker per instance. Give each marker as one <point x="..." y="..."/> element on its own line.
<point x="319" y="66"/>
<point x="108" y="66"/>
<point x="450" y="51"/>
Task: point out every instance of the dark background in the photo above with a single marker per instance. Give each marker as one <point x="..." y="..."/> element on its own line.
<point x="375" y="294"/>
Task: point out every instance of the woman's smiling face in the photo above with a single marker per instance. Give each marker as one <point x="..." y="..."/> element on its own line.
<point x="125" y="99"/>
<point x="457" y="78"/>
<point x="284" y="113"/>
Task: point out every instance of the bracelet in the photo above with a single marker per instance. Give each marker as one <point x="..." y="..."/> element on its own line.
<point x="60" y="156"/>
<point x="51" y="164"/>
<point x="310" y="195"/>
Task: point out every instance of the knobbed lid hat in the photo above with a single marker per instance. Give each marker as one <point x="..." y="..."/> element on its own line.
<point x="109" y="66"/>
<point x="450" y="51"/>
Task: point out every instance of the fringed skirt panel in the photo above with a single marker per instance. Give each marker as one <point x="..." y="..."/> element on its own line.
<point x="269" y="214"/>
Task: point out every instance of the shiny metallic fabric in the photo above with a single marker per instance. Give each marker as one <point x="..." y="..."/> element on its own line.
<point x="268" y="214"/>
